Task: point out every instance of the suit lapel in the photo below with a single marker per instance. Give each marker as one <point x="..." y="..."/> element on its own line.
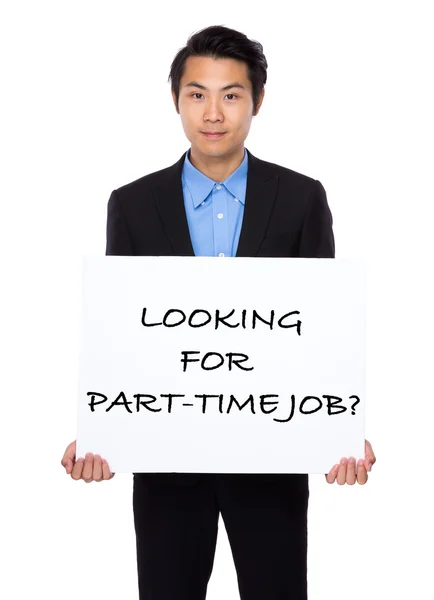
<point x="260" y="197"/>
<point x="170" y="206"/>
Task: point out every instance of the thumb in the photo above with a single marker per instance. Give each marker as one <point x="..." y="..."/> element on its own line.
<point x="69" y="456"/>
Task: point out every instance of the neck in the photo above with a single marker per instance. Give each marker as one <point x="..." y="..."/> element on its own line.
<point x="217" y="168"/>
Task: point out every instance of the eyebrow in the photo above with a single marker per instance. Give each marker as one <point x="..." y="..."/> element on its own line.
<point x="223" y="89"/>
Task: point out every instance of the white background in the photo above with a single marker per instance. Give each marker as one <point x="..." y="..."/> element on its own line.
<point x="86" y="108"/>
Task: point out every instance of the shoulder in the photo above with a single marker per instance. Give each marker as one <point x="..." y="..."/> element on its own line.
<point x="148" y="181"/>
<point x="286" y="175"/>
<point x="140" y="192"/>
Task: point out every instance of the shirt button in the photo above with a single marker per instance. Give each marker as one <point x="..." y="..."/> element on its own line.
<point x="236" y="199"/>
<point x="221" y="254"/>
<point x="218" y="187"/>
<point x="220" y="215"/>
<point x="202" y="203"/>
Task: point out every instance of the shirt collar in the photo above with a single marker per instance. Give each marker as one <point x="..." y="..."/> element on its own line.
<point x="200" y="185"/>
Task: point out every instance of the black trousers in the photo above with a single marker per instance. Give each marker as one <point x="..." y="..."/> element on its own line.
<point x="176" y="518"/>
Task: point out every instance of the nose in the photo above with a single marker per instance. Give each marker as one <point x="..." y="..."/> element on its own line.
<point x="213" y="111"/>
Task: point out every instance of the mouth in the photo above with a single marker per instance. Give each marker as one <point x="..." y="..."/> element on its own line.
<point x="213" y="135"/>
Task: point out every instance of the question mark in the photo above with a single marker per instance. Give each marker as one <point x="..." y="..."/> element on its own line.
<point x="354" y="404"/>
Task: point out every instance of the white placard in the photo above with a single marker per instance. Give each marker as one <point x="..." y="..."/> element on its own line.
<point x="289" y="334"/>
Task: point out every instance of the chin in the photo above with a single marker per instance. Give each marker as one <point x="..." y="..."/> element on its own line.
<point x="217" y="153"/>
<point x="204" y="149"/>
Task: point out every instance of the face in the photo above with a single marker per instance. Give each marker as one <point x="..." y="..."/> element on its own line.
<point x="215" y="95"/>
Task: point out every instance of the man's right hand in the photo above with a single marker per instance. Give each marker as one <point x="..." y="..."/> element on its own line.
<point x="91" y="468"/>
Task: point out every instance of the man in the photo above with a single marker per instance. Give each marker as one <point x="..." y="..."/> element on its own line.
<point x="219" y="200"/>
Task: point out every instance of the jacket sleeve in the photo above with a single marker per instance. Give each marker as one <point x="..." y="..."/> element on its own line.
<point x="317" y="239"/>
<point x="118" y="240"/>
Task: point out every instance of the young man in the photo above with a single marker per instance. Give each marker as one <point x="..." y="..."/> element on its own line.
<point x="219" y="200"/>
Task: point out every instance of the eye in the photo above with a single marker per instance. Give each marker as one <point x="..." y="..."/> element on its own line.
<point x="195" y="94"/>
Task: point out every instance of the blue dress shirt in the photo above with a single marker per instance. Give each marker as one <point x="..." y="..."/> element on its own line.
<point x="214" y="209"/>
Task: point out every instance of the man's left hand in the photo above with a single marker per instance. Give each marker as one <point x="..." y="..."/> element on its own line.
<point x="346" y="471"/>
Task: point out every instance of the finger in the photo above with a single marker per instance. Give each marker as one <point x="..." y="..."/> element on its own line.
<point x="331" y="475"/>
<point x="351" y="471"/>
<point x="342" y="472"/>
<point x="362" y="475"/>
<point x="97" y="468"/>
<point x="107" y="474"/>
<point x="77" y="469"/>
<point x="68" y="466"/>
<point x="88" y="468"/>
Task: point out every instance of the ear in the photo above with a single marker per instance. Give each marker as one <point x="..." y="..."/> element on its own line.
<point x="174" y="101"/>
<point x="260" y="99"/>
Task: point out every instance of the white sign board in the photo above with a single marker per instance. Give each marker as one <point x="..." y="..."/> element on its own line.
<point x="222" y="365"/>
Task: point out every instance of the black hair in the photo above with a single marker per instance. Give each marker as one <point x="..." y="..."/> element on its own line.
<point x="219" y="41"/>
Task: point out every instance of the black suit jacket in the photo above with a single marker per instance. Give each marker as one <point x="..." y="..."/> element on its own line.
<point x="286" y="214"/>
